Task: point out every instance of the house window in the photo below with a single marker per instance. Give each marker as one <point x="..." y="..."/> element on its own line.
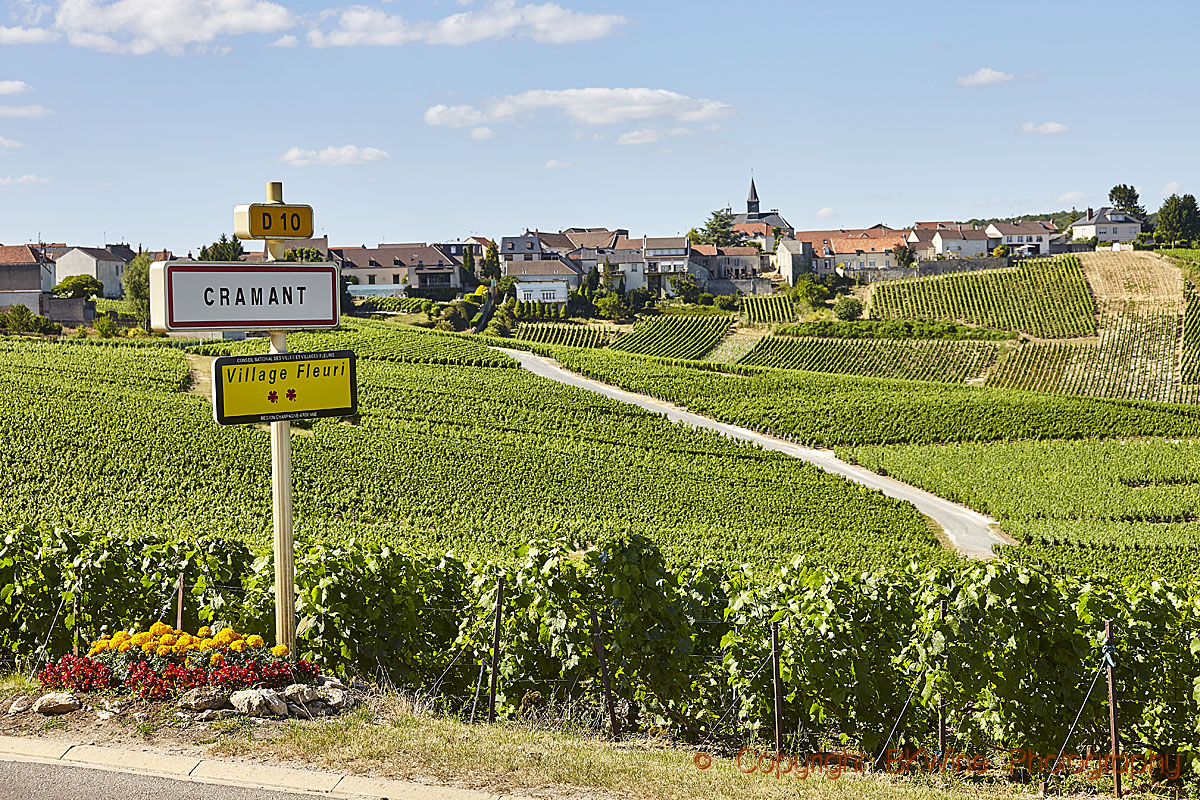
<point x="395" y="279"/>
<point x="1102" y="230"/>
<point x="527" y="257"/>
<point x="1039" y="238"/>
<point x="872" y="265"/>
<point x="529" y="245"/>
<point x="548" y="296"/>
<point x="371" y="280"/>
<point x="510" y="246"/>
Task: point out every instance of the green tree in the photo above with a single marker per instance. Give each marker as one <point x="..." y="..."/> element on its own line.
<point x="684" y="287"/>
<point x="468" y="261"/>
<point x="1178" y="219"/>
<point x="1125" y="199"/>
<point x="78" y="286"/>
<point x="224" y="249"/>
<point x="904" y="256"/>
<point x="1001" y="251"/>
<point x="806" y="290"/>
<point x="612" y="306"/>
<point x="18" y="319"/>
<point x="609" y="276"/>
<point x="718" y="230"/>
<point x="847" y="308"/>
<point x="491" y="262"/>
<point x="593" y="279"/>
<point x="105" y="326"/>
<point x="304" y="255"/>
<point x="136" y="281"/>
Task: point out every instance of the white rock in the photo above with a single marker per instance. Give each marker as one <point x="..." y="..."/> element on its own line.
<point x="141" y="718"/>
<point x="104" y="716"/>
<point x="259" y="703"/>
<point x="57" y="703"/>
<point x="299" y="693"/>
<point x="204" y="698"/>
<point x="20" y="705"/>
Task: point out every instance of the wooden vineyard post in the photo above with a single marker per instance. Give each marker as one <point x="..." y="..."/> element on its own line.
<point x="1110" y="655"/>
<point x="941" y="731"/>
<point x="612" y="709"/>
<point x="496" y="650"/>
<point x="179" y="606"/>
<point x="778" y="688"/>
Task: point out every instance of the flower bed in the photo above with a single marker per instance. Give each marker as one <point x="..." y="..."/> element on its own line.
<point x="163" y="662"/>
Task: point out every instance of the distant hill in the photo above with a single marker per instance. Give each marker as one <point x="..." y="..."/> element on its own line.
<point x="1061" y="219"/>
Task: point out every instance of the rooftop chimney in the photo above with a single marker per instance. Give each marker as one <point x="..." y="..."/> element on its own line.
<point x="1090" y="214"/>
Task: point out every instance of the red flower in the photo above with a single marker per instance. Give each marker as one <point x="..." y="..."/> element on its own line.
<point x="81" y="674"/>
<point x="274" y="398"/>
<point x="291" y="394"/>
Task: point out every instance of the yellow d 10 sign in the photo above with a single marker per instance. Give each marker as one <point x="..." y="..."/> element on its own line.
<point x="284" y="386"/>
<point x="273" y="221"/>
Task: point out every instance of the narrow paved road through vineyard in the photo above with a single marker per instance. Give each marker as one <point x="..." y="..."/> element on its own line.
<point x="969" y="531"/>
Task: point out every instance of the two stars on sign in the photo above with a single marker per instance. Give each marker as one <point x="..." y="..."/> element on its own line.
<point x="274" y="396"/>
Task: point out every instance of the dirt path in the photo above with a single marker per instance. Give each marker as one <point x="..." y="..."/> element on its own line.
<point x="969" y="532"/>
<point x="201" y="369"/>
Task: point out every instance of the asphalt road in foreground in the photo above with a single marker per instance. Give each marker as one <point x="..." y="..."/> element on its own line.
<point x="969" y="531"/>
<point x="32" y="781"/>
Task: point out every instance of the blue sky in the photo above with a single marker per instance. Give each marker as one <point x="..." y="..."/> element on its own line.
<point x="148" y="120"/>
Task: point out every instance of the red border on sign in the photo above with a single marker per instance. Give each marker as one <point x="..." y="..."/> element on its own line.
<point x="258" y="323"/>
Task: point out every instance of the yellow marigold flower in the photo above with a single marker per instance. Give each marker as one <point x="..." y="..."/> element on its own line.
<point x="163" y="650"/>
<point x="254" y="640"/>
<point x="148" y="648"/>
<point x="204" y="632"/>
<point x="237" y="646"/>
<point x="159" y="628"/>
<point x="120" y="636"/>
<point x="123" y="646"/>
<point x="167" y="639"/>
<point x="216" y="660"/>
<point x="208" y="644"/>
<point x="185" y="638"/>
<point x="140" y="639"/>
<point x="279" y="650"/>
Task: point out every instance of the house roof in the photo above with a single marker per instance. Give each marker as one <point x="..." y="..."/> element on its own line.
<point x="962" y="234"/>
<point x="1105" y="216"/>
<point x="99" y="253"/>
<point x="771" y="218"/>
<point x="922" y="234"/>
<point x="19" y="254"/>
<point x="1032" y="226"/>
<point x="540" y="268"/>
<point x="591" y="238"/>
<point x="931" y="226"/>
<point x="666" y="242"/>
<point x="881" y="244"/>
<point x="713" y="250"/>
<point x="385" y="255"/>
<point x="555" y="241"/>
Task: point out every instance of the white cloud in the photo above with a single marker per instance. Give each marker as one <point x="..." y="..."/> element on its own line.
<point x="9" y="144"/>
<point x="24" y="111"/>
<point x="1045" y="127"/>
<point x="333" y="156"/>
<point x="482" y="133"/>
<point x="553" y="164"/>
<point x="825" y="213"/>
<point x="285" y="41"/>
<point x="1172" y="188"/>
<point x="641" y="136"/>
<point x="14" y="87"/>
<point x="548" y="23"/>
<point x="142" y="26"/>
<point x="589" y="106"/>
<point x="22" y="180"/>
<point x="19" y="35"/>
<point x="984" y="76"/>
<point x="1071" y="197"/>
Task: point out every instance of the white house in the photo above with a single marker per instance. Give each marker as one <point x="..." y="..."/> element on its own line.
<point x="959" y="242"/>
<point x="792" y="259"/>
<point x="96" y="262"/>
<point x="546" y="291"/>
<point x="1107" y="225"/>
<point x="859" y="253"/>
<point x="1032" y="237"/>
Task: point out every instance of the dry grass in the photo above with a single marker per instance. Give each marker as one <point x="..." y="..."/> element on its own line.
<point x="391" y="741"/>
<point x="1133" y="281"/>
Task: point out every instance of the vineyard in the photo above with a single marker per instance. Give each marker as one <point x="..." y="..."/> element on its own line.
<point x="1134" y="359"/>
<point x="1045" y="298"/>
<point x="1189" y="355"/>
<point x="761" y="309"/>
<point x="1124" y="507"/>
<point x="473" y="459"/>
<point x="829" y="410"/>
<point x="914" y="359"/>
<point x="674" y="336"/>
<point x="401" y="305"/>
<point x="564" y="335"/>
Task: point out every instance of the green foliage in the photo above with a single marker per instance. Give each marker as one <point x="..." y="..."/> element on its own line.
<point x="1047" y="298"/>
<point x="17" y="319"/>
<point x="468" y="263"/>
<point x="904" y="256"/>
<point x="611" y="306"/>
<point x="491" y="263"/>
<point x="892" y="329"/>
<point x="1178" y="220"/>
<point x="564" y="335"/>
<point x="684" y="286"/>
<point x="224" y="249"/>
<point x="78" y="286"/>
<point x="1125" y="199"/>
<point x="808" y="291"/>
<point x="1000" y="251"/>
<point x="921" y="359"/>
<point x="401" y="305"/>
<point x="718" y="230"/>
<point x="768" y="308"/>
<point x="829" y="410"/>
<point x="674" y="336"/>
<point x="847" y="308"/>
<point x="306" y="255"/>
<point x="136" y="281"/>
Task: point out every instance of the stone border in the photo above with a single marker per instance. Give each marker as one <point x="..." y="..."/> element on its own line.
<point x="228" y="773"/>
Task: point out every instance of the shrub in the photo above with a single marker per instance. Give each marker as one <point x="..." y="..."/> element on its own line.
<point x="847" y="308"/>
<point x="105" y="326"/>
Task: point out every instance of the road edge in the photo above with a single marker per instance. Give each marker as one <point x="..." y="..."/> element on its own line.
<point x="242" y="774"/>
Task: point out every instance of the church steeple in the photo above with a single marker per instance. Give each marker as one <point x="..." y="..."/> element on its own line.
<point x="752" y="200"/>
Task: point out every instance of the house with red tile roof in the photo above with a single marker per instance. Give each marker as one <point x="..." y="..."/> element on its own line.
<point x="26" y="278"/>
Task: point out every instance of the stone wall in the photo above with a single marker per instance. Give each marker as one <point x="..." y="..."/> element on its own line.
<point x="740" y="286"/>
<point x="927" y="268"/>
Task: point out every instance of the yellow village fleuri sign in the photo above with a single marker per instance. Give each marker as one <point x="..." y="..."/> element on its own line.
<point x="284" y="386"/>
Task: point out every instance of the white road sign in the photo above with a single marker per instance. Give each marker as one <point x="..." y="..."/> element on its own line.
<point x="240" y="296"/>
